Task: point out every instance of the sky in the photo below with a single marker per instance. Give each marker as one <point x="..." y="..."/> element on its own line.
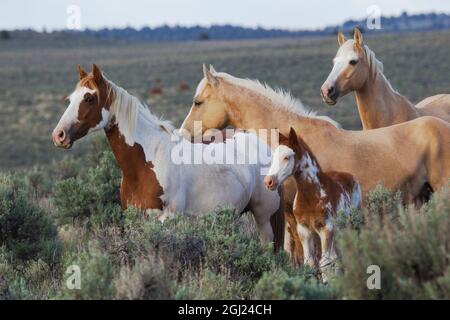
<point x="288" y="14"/>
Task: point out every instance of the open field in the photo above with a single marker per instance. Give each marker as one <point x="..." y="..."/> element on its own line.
<point x="63" y="208"/>
<point x="34" y="77"/>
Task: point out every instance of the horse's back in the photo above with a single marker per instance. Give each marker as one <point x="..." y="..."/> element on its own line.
<point x="346" y="187"/>
<point x="345" y="179"/>
<point x="230" y="183"/>
<point x="436" y="106"/>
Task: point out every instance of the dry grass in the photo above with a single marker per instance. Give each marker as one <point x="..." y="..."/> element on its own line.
<point x="34" y="76"/>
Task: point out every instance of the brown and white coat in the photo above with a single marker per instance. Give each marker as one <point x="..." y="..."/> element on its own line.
<point x="320" y="196"/>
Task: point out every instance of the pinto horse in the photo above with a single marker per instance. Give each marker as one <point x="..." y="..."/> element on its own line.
<point x="320" y="196"/>
<point x="408" y="157"/>
<point x="152" y="175"/>
<point x="357" y="69"/>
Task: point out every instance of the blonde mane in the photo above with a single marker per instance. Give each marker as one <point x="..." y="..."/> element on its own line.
<point x="375" y="66"/>
<point x="125" y="110"/>
<point x="280" y="98"/>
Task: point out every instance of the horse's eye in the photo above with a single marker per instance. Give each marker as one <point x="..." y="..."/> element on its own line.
<point x="89" y="99"/>
<point x="286" y="158"/>
<point x="353" y="62"/>
<point x="198" y="103"/>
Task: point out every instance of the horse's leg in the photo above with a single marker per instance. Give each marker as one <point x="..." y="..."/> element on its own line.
<point x="326" y="235"/>
<point x="294" y="248"/>
<point x="264" y="204"/>
<point x="265" y="229"/>
<point x="307" y="240"/>
<point x="162" y="215"/>
<point x="288" y="244"/>
<point x="278" y="223"/>
<point x="292" y="242"/>
<point x="263" y="223"/>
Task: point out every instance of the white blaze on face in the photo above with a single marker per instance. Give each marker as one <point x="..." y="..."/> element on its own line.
<point x="345" y="54"/>
<point x="70" y="116"/>
<point x="283" y="162"/>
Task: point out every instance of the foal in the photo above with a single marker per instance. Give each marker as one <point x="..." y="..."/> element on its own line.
<point x="320" y="195"/>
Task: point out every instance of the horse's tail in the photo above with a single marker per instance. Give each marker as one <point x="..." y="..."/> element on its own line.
<point x="278" y="224"/>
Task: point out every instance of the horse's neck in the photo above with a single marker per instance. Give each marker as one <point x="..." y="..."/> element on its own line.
<point x="249" y="110"/>
<point x="148" y="146"/>
<point x="310" y="181"/>
<point x="381" y="106"/>
<point x="131" y="159"/>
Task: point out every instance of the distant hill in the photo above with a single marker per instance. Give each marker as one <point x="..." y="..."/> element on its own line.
<point x="402" y="23"/>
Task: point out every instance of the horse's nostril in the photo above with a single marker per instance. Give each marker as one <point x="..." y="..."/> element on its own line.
<point x="331" y="91"/>
<point x="269" y="182"/>
<point x="62" y="135"/>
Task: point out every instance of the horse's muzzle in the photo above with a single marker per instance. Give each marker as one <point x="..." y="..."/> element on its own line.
<point x="331" y="101"/>
<point x="271" y="183"/>
<point x="62" y="139"/>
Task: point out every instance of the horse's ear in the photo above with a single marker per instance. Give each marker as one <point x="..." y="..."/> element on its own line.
<point x="282" y="139"/>
<point x="98" y="77"/>
<point x="211" y="69"/>
<point x="209" y="76"/>
<point x="82" y="73"/>
<point x="341" y="38"/>
<point x="293" y="137"/>
<point x="358" y="37"/>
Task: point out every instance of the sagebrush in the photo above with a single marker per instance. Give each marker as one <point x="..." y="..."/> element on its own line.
<point x="68" y="214"/>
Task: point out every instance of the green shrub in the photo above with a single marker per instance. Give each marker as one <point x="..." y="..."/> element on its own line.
<point x="131" y="255"/>
<point x="147" y="279"/>
<point x="280" y="285"/>
<point x="383" y="203"/>
<point x="214" y="241"/>
<point x="26" y="231"/>
<point x="37" y="183"/>
<point x="73" y="201"/>
<point x="412" y="251"/>
<point x="354" y="219"/>
<point x="96" y="274"/>
<point x="67" y="167"/>
<point x="94" y="195"/>
<point x="209" y="285"/>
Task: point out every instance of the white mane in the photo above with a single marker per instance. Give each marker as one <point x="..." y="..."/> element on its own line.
<point x="126" y="108"/>
<point x="281" y="99"/>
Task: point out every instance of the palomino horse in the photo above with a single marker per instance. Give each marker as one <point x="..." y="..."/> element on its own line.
<point x="320" y="196"/>
<point x="357" y="69"/>
<point x="152" y="175"/>
<point x="403" y="157"/>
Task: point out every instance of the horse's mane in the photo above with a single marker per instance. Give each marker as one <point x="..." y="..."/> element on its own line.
<point x="375" y="66"/>
<point x="281" y="99"/>
<point x="125" y="109"/>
